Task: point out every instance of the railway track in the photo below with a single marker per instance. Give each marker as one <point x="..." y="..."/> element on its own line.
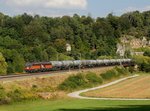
<point x="51" y="73"/>
<point x="30" y="74"/>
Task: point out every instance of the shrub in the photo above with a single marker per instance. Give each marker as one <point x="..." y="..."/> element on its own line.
<point x="121" y="70"/>
<point x="145" y="67"/>
<point x="109" y="74"/>
<point x="3" y="96"/>
<point x="73" y="82"/>
<point x="131" y="69"/>
<point x="116" y="72"/>
<point x="147" y="53"/>
<point x="20" y="94"/>
<point x="143" y="63"/>
<point x="93" y="78"/>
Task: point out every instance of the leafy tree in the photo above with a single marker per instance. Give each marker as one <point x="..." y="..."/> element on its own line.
<point x="60" y="45"/>
<point x="14" y="60"/>
<point x="143" y="62"/>
<point x="3" y="65"/>
<point x="147" y="53"/>
<point x="26" y="18"/>
<point x="34" y="34"/>
<point x="64" y="57"/>
<point x="52" y="53"/>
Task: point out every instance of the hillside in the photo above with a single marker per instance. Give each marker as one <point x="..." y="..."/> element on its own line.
<point x="26" y="38"/>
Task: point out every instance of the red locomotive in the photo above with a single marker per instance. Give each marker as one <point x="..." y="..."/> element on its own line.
<point x="38" y="67"/>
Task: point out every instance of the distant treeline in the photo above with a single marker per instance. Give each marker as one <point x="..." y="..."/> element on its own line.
<point x="26" y="38"/>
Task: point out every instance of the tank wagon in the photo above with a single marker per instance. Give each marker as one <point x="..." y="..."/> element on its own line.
<point x="73" y="64"/>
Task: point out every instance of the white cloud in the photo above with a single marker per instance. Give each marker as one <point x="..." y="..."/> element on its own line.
<point x="146" y="8"/>
<point x="71" y="4"/>
<point x="130" y="9"/>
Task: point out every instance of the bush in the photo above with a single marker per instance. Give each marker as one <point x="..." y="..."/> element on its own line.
<point x="116" y="72"/>
<point x="73" y="82"/>
<point x="20" y="94"/>
<point x="3" y="96"/>
<point x="147" y="53"/>
<point x="109" y="74"/>
<point x="93" y="78"/>
<point x="3" y="65"/>
<point x="131" y="69"/>
<point x="145" y="67"/>
<point x="121" y="70"/>
<point x="80" y="81"/>
<point x="143" y="63"/>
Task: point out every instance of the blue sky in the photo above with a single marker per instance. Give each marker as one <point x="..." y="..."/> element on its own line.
<point x="96" y="8"/>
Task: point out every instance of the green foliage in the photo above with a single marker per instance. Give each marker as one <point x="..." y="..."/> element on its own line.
<point x="14" y="60"/>
<point x="104" y="57"/>
<point x="35" y="38"/>
<point x="3" y="65"/>
<point x="147" y="53"/>
<point x="52" y="53"/>
<point x="121" y="70"/>
<point x="142" y="49"/>
<point x="21" y="94"/>
<point x="116" y="72"/>
<point x="73" y="82"/>
<point x="143" y="62"/>
<point x="64" y="57"/>
<point x="3" y="96"/>
<point x="109" y="74"/>
<point x="93" y="78"/>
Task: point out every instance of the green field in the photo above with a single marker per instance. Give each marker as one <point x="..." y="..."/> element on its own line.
<point x="78" y="105"/>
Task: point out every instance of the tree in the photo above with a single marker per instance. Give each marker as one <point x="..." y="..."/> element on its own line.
<point x="52" y="53"/>
<point x="26" y="18"/>
<point x="14" y="60"/>
<point x="143" y="62"/>
<point x="147" y="53"/>
<point x="34" y="34"/>
<point x="64" y="57"/>
<point x="3" y="65"/>
<point x="60" y="45"/>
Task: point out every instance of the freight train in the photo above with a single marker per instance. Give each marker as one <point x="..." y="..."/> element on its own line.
<point x="73" y="64"/>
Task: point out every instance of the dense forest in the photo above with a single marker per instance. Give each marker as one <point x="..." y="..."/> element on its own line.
<point x="25" y="38"/>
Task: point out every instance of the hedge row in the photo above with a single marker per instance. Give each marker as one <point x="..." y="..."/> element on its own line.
<point x="81" y="80"/>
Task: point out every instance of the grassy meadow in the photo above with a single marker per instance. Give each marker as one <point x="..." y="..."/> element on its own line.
<point x="78" y="105"/>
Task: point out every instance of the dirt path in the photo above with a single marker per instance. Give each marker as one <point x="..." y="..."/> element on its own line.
<point x="77" y="93"/>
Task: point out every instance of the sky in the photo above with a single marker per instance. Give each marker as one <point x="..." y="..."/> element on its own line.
<point x="55" y="8"/>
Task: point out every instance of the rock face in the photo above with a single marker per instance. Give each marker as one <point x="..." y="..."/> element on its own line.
<point x="135" y="42"/>
<point x="128" y="43"/>
<point x="120" y="50"/>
